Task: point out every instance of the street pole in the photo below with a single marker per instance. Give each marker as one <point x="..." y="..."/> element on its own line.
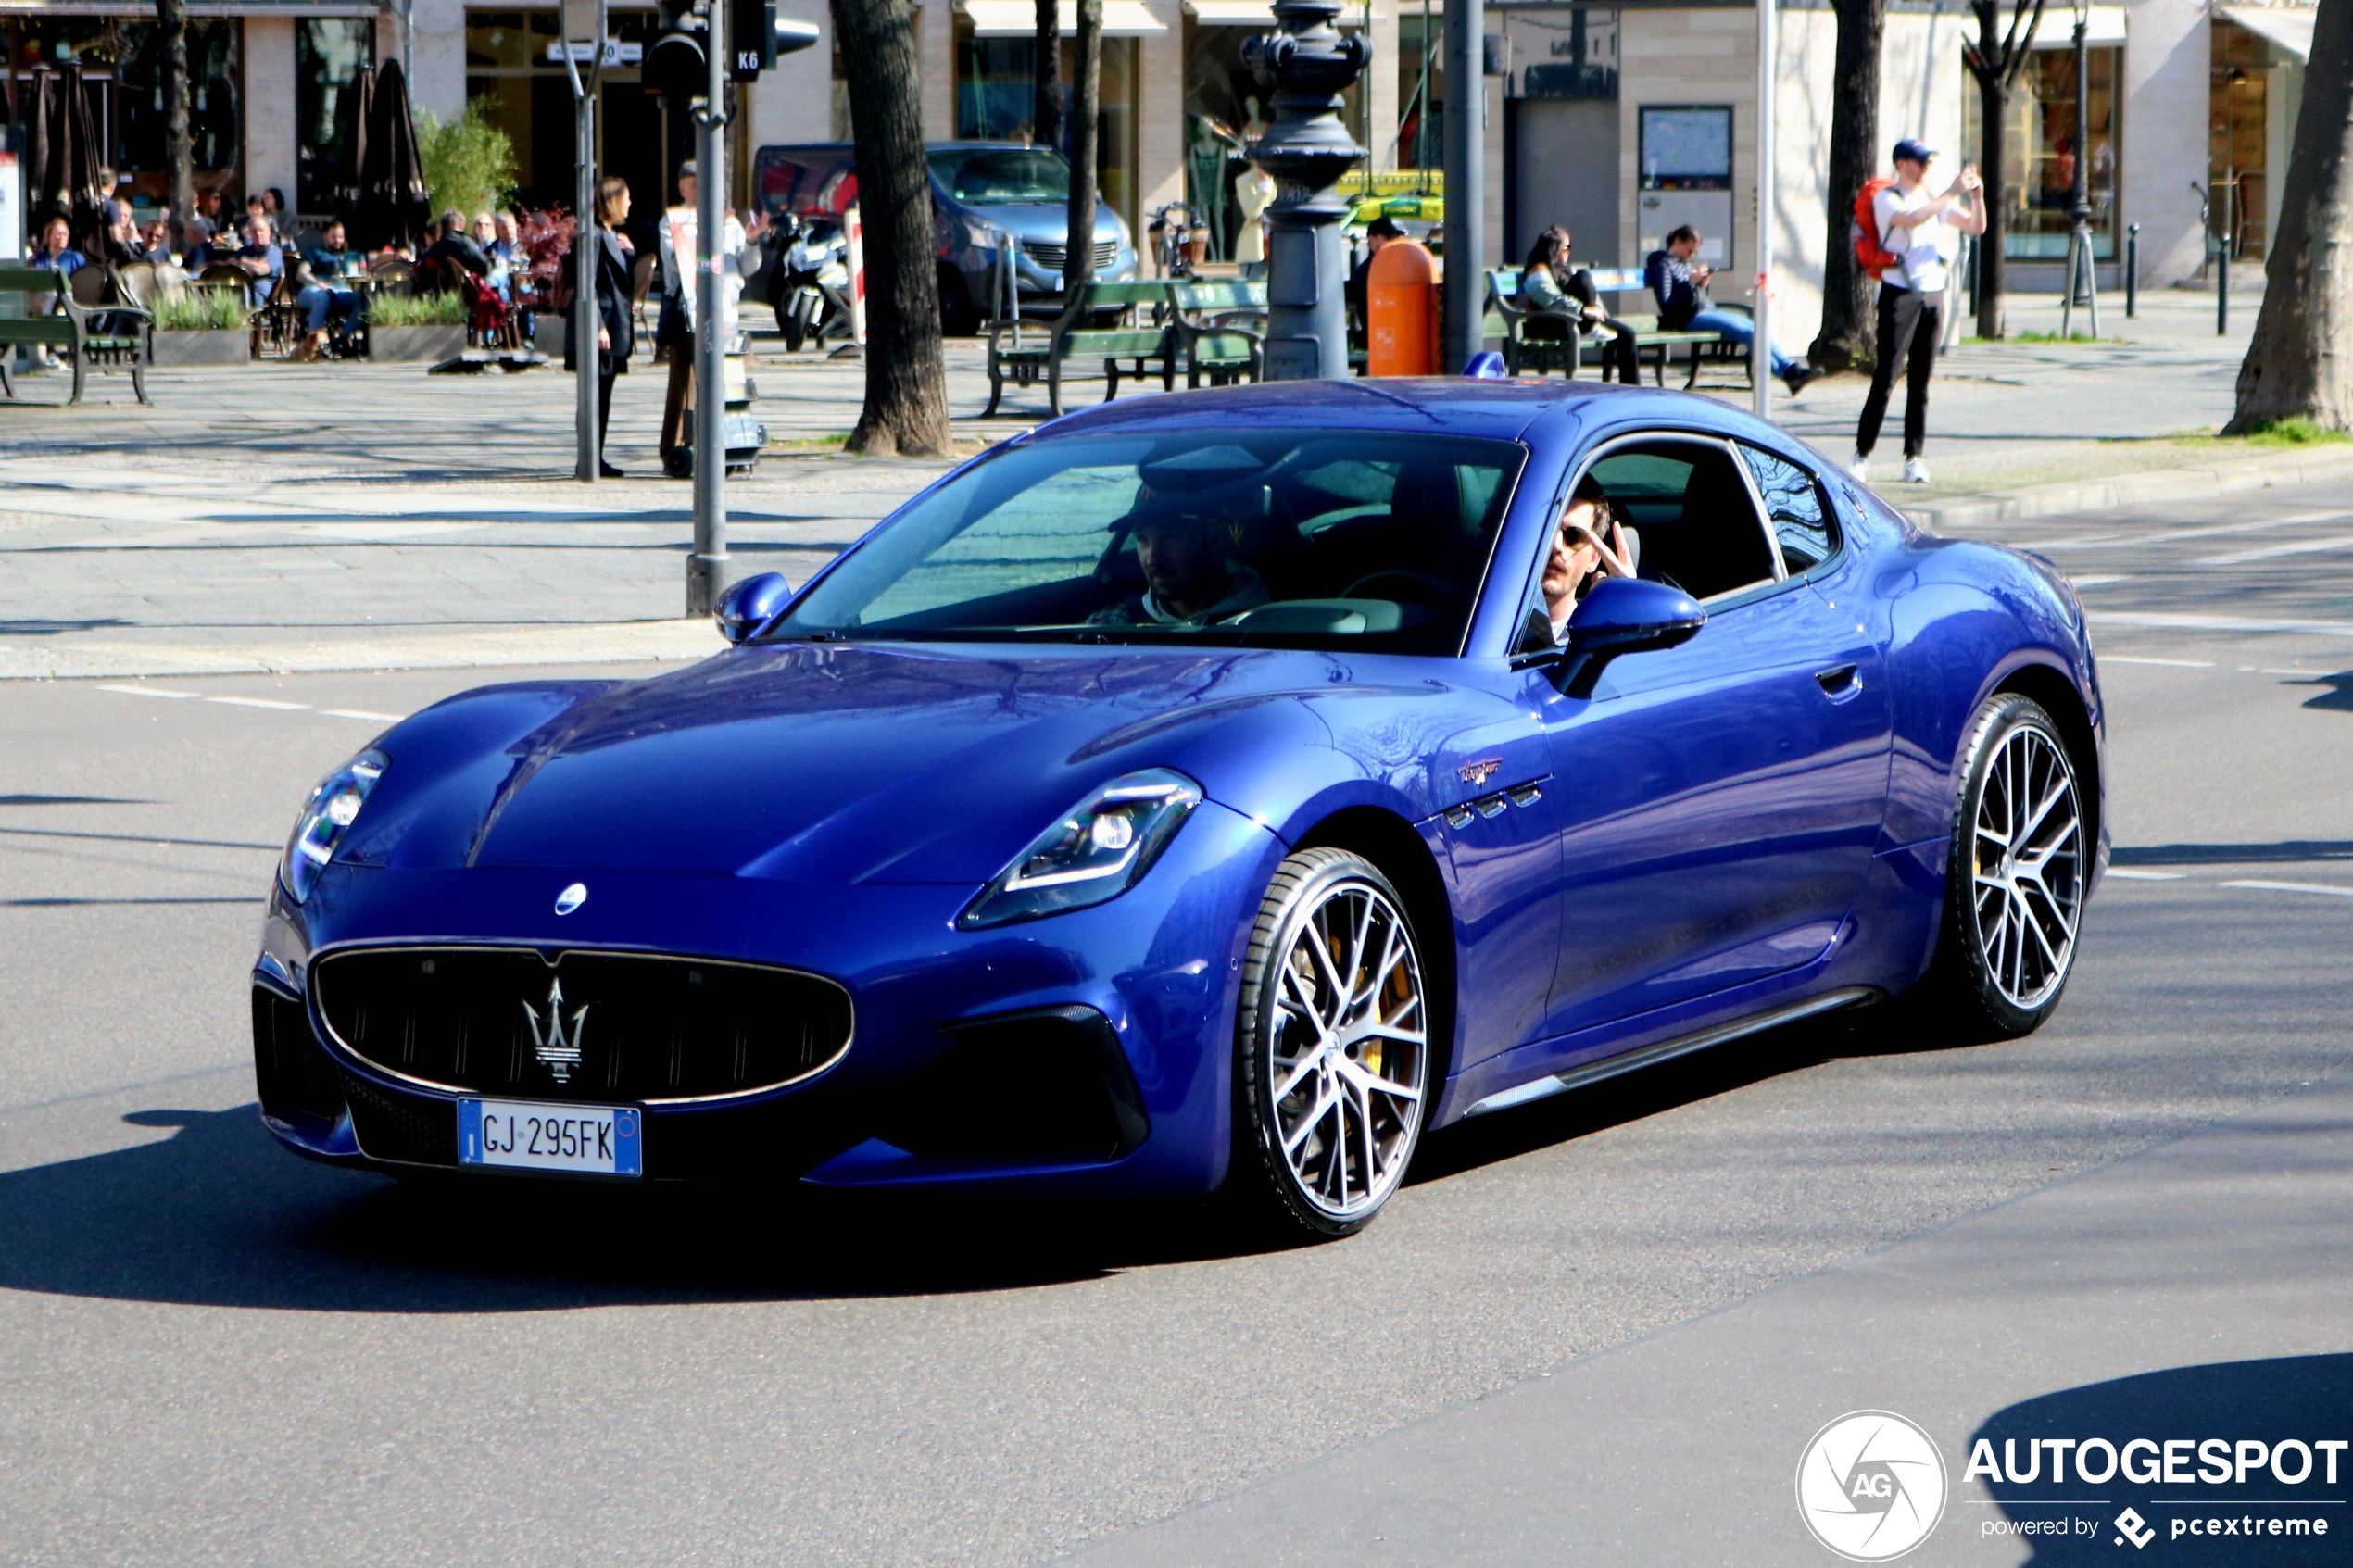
<point x="580" y="16"/>
<point x="2081" y="272"/>
<point x="1760" y="349"/>
<point x="1466" y="158"/>
<point x="707" y="568"/>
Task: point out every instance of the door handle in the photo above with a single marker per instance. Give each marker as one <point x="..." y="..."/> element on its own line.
<point x="1839" y="681"/>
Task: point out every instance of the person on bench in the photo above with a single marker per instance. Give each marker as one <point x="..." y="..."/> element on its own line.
<point x="1547" y="288"/>
<point x="1677" y="284"/>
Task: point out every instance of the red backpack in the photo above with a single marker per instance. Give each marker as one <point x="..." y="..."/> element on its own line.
<point x="1872" y="256"/>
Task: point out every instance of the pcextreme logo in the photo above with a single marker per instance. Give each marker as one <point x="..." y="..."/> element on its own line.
<point x="1871" y="1486"/>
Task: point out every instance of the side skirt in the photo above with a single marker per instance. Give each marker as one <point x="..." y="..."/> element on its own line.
<point x="1667" y="1050"/>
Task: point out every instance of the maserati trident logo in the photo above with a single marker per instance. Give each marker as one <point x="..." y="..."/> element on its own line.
<point x="1479" y="772"/>
<point x="556" y="1050"/>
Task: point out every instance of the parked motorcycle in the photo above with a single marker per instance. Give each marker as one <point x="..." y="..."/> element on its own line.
<point x="808" y="287"/>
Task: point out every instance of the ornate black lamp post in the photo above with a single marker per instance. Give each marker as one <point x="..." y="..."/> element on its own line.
<point x="1307" y="149"/>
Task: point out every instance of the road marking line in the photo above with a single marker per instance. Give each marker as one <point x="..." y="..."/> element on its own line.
<point x="2097" y="582"/>
<point x="2301" y="547"/>
<point x="2170" y="663"/>
<point x="151" y="691"/>
<point x="2146" y="876"/>
<point x="2288" y="672"/>
<point x="2295" y="887"/>
<point x="2222" y="624"/>
<point x="260" y="702"/>
<point x="2119" y="541"/>
<point x="361" y="713"/>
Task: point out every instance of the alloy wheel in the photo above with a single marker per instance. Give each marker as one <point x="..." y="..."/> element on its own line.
<point x="1349" y="1050"/>
<point x="2027" y="864"/>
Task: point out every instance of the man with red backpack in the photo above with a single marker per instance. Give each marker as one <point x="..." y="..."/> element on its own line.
<point x="1905" y="237"/>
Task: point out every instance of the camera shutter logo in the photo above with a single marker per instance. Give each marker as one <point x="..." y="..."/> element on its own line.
<point x="1871" y="1486"/>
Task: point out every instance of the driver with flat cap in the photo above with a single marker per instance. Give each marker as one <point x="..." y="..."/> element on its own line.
<point x="1184" y="532"/>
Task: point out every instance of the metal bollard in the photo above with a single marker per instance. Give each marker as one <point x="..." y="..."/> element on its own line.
<point x="2132" y="269"/>
<point x="2223" y="288"/>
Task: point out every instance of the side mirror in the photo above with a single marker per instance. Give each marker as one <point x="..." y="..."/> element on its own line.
<point x="748" y="606"/>
<point x="1624" y="615"/>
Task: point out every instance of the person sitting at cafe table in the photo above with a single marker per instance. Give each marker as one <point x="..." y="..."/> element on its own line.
<point x="327" y="266"/>
<point x="261" y="258"/>
<point x="510" y="268"/>
<point x="453" y="244"/>
<point x="55" y="253"/>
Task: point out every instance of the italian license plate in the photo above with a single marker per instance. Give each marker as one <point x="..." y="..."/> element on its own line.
<point x="600" y="1140"/>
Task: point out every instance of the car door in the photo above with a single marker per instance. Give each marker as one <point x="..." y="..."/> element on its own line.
<point x="1719" y="800"/>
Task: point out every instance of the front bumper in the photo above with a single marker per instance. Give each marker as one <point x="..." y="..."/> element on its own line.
<point x="1118" y="1017"/>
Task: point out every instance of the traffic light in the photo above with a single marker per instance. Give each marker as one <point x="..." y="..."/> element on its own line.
<point x="675" y="63"/>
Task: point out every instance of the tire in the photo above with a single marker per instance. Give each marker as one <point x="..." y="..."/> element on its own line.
<point x="2013" y="891"/>
<point x="795" y="321"/>
<point x="1329" y="1098"/>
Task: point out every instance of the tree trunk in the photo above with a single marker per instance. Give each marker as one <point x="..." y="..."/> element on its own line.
<point x="2300" y="364"/>
<point x="1992" y="269"/>
<point x="1997" y="59"/>
<point x="1045" y="94"/>
<point x="1849" y="314"/>
<point x="906" y="409"/>
<point x="172" y="18"/>
<point x="1086" y="88"/>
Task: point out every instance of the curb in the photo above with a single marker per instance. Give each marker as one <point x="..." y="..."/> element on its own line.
<point x="2260" y="472"/>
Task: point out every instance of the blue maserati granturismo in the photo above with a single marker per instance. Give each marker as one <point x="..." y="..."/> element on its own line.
<point x="1211" y="791"/>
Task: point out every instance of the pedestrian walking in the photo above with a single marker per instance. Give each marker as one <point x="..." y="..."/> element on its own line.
<point x="1909" y="245"/>
<point x="616" y="338"/>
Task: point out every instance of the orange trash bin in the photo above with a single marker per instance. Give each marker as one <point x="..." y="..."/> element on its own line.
<point x="1400" y="311"/>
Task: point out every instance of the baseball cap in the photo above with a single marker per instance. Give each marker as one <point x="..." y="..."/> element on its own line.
<point x="1911" y="149"/>
<point x="1385" y="228"/>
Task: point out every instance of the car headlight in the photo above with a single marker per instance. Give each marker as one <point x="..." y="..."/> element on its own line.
<point x="986" y="236"/>
<point x="1096" y="852"/>
<point x="332" y="808"/>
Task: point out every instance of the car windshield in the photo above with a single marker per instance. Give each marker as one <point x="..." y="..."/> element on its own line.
<point x="994" y="176"/>
<point x="1298" y="538"/>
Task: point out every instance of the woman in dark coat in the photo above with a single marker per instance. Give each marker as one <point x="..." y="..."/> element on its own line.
<point x="616" y="338"/>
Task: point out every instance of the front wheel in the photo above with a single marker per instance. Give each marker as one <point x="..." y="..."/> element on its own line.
<point x="1332" y="1051"/>
<point x="2015" y="880"/>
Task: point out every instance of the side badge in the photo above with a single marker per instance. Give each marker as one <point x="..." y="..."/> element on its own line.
<point x="572" y="898"/>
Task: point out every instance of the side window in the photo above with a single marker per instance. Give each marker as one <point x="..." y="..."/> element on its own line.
<point x="1794" y="502"/>
<point x="1696" y="525"/>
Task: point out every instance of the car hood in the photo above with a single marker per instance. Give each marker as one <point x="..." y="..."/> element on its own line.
<point x="848" y="761"/>
<point x="1042" y="221"/>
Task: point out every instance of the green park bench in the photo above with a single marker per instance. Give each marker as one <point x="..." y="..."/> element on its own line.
<point x="1507" y="320"/>
<point x="1221" y="328"/>
<point x="38" y="309"/>
<point x="1023" y="352"/>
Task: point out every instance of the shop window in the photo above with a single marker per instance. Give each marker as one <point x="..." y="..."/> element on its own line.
<point x="2038" y="152"/>
<point x="1421" y="88"/>
<point x="331" y="53"/>
<point x="995" y="93"/>
<point x="119" y="59"/>
<point x="528" y="95"/>
<point x="1225" y="110"/>
<point x="2237" y="140"/>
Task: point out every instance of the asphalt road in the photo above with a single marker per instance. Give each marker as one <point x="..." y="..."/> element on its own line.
<point x="215" y="1353"/>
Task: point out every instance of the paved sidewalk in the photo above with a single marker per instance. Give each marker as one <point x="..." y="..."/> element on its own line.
<point x="288" y="517"/>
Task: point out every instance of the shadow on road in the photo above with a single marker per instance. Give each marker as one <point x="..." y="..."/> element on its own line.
<point x="2303" y="1398"/>
<point x="217" y="1214"/>
<point x="2339" y="696"/>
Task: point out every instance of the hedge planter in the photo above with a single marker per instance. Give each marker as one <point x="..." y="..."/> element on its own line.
<point x="411" y="345"/>
<point x="232" y="346"/>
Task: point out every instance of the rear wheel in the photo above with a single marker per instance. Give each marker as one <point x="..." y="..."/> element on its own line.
<point x="2014" y="887"/>
<point x="1332" y="1046"/>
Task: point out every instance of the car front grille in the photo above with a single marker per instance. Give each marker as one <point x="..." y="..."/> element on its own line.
<point x="590" y="1026"/>
<point x="1050" y="256"/>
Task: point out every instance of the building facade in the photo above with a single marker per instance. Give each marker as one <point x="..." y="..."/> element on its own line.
<point x="1618" y="122"/>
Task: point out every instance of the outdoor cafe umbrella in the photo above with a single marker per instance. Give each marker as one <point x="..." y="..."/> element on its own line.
<point x="354" y="109"/>
<point x="394" y="206"/>
<point x="64" y="155"/>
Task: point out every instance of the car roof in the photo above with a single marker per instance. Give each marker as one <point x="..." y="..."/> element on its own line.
<point x="1502" y="410"/>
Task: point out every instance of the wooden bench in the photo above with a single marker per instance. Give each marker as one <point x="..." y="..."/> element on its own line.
<point x="1507" y="320"/>
<point x="1022" y="353"/>
<point x="107" y="335"/>
<point x="1221" y="328"/>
